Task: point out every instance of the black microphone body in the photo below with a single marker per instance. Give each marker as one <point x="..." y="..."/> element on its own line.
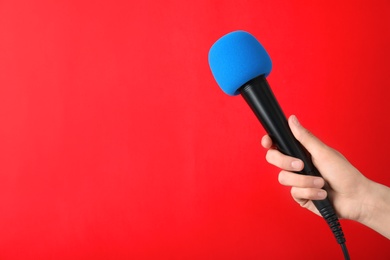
<point x="263" y="103"/>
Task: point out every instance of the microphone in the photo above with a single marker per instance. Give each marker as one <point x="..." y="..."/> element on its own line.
<point x="240" y="65"/>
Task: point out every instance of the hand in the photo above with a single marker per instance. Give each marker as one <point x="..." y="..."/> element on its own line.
<point x="346" y="186"/>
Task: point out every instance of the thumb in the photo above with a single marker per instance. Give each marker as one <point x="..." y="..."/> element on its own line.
<point x="305" y="137"/>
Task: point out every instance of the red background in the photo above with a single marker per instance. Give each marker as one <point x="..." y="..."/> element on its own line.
<point x="116" y="142"/>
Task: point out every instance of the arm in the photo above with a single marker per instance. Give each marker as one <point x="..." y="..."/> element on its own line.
<point x="353" y="195"/>
<point x="377" y="209"/>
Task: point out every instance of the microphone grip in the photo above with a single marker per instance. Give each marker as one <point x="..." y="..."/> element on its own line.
<point x="259" y="96"/>
<point x="263" y="103"/>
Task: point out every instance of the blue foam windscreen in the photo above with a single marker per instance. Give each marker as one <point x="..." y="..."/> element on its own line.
<point x="236" y="58"/>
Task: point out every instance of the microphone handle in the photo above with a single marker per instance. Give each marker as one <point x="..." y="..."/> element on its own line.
<point x="263" y="103"/>
<point x="259" y="96"/>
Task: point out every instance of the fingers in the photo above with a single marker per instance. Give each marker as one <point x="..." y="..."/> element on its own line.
<point x="302" y="194"/>
<point x="303" y="187"/>
<point x="305" y="137"/>
<point x="266" y="142"/>
<point x="282" y="161"/>
<point x="300" y="181"/>
<point x="315" y="147"/>
<point x="308" y="204"/>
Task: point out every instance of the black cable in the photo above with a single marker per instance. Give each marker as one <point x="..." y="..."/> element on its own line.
<point x="345" y="251"/>
<point x="333" y="222"/>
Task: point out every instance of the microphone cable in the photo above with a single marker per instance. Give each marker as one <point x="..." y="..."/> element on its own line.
<point x="333" y="222"/>
<point x="345" y="251"/>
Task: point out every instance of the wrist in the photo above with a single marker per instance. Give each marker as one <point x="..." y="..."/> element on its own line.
<point x="375" y="210"/>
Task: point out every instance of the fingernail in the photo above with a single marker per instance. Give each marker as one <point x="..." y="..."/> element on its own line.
<point x="321" y="194"/>
<point x="296" y="164"/>
<point x="295" y="120"/>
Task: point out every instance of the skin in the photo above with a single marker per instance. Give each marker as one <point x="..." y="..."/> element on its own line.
<point x="353" y="195"/>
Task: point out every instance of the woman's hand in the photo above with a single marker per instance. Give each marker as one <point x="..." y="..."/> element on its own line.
<point x="345" y="186"/>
